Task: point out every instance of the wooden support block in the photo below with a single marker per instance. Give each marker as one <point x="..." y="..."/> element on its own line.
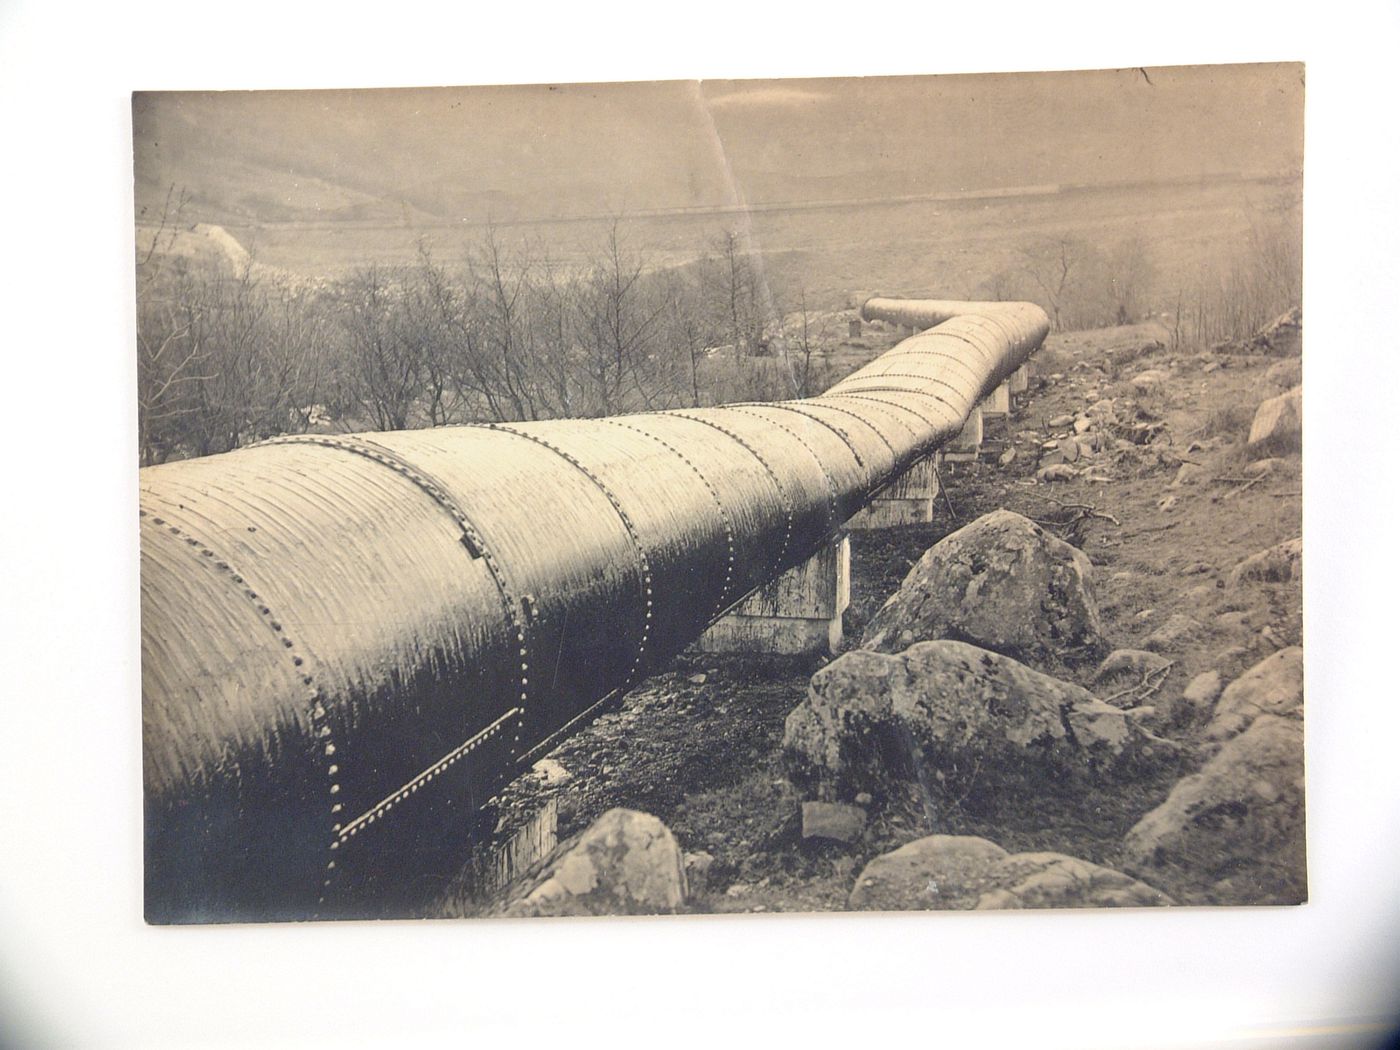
<point x="853" y="328"/>
<point x="799" y="612"/>
<point x="1020" y="380"/>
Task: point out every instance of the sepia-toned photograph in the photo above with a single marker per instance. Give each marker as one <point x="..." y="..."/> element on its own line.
<point x="870" y="494"/>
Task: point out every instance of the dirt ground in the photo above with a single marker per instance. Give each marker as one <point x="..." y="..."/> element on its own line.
<point x="698" y="746"/>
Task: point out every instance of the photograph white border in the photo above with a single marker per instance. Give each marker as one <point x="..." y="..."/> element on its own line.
<point x="77" y="965"/>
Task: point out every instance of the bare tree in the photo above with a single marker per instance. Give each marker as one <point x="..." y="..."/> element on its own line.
<point x="1052" y="265"/>
<point x="384" y="363"/>
<point x="169" y="361"/>
<point x="1130" y="273"/>
<point x="617" y="324"/>
<point x="502" y="367"/>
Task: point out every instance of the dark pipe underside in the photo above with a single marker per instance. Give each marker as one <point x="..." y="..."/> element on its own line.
<point x="350" y="643"/>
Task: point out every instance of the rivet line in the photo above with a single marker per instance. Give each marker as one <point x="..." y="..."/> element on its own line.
<point x="714" y="493"/>
<point x="379" y="809"/>
<point x="772" y="474"/>
<point x="317" y="714"/>
<point x="635" y="670"/>
<point x="436" y="491"/>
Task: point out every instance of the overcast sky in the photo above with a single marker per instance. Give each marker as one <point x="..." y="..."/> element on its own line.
<point x="581" y="149"/>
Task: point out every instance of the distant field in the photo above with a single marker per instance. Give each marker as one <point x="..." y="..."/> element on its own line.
<point x="919" y="247"/>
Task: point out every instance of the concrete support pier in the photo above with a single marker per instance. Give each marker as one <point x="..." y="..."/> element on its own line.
<point x="905" y="501"/>
<point x="997" y="404"/>
<point x="1019" y="381"/>
<point x="799" y="612"/>
<point x="965" y="447"/>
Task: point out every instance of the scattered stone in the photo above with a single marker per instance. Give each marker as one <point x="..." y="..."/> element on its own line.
<point x="1232" y="661"/>
<point x="1001" y="582"/>
<point x="1262" y="468"/>
<point x="1200" y="594"/>
<point x="1069" y="449"/>
<point x="1277" y="564"/>
<point x="1060" y="422"/>
<point x="1102" y="411"/>
<point x="965" y="873"/>
<point x="1143" y="615"/>
<point x="1210" y="367"/>
<point x="1274" y="686"/>
<point x="1193" y="706"/>
<point x="1233" y="621"/>
<point x="1122" y="355"/>
<point x="1129" y="665"/>
<point x="1146" y="382"/>
<point x="1166" y="503"/>
<point x="1057" y="472"/>
<point x="1278" y="424"/>
<point x="625" y="863"/>
<point x="1172" y="635"/>
<point x="864" y="798"/>
<point x="1008" y="457"/>
<point x="739" y="889"/>
<point x="550" y="771"/>
<point x="698" y="679"/>
<point x="1282" y="336"/>
<point x="697" y="872"/>
<point x="1187" y="474"/>
<point x="1203" y="690"/>
<point x="1285" y="374"/>
<point x="950" y="711"/>
<point x="832" y="820"/>
<point x="1242" y="813"/>
<point x="1082" y="424"/>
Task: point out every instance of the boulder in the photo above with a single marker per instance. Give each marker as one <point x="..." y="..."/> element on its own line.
<point x="1002" y="583"/>
<point x="625" y="863"/>
<point x="951" y="712"/>
<point x="1278" y="425"/>
<point x="1274" y="686"/>
<point x="1239" y="819"/>
<point x="966" y="873"/>
<point x="1277" y="564"/>
<point x="832" y="821"/>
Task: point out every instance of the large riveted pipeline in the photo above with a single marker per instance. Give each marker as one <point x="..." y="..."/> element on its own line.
<point x="350" y="643"/>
